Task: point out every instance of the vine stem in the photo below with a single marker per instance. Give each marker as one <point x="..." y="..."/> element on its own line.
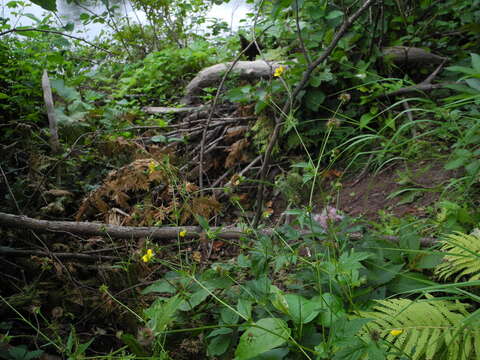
<point x="305" y="78"/>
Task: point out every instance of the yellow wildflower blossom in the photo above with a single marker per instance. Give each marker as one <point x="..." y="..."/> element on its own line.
<point x="148" y="256"/>
<point x="279" y="71"/>
<point x="396" y="332"/>
<point x="182" y="233"/>
<point x="151" y="166"/>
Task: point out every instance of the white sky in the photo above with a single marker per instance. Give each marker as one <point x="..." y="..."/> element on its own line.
<point x="232" y="13"/>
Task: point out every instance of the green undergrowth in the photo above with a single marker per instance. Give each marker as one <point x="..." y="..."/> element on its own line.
<point x="311" y="282"/>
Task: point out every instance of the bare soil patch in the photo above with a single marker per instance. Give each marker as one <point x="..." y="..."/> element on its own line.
<point x="405" y="188"/>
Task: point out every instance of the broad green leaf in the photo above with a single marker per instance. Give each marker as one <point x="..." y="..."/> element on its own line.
<point x="195" y="299"/>
<point x="301" y="310"/>
<point x="429" y="261"/>
<point x="219" y="344"/>
<point x="473" y="83"/>
<point x="365" y="120"/>
<point x="161" y="286"/>
<point x="331" y="308"/>
<point x="274" y="354"/>
<point x="161" y="313"/>
<point x="462" y="69"/>
<point x="455" y="163"/>
<point x="244" y="307"/>
<point x="268" y="333"/>
<point x="476" y="62"/>
<point x="220" y="331"/>
<point x="228" y="316"/>
<point x="314" y="98"/>
<point x="67" y="92"/>
<point x="50" y="5"/>
<point x="334" y="14"/>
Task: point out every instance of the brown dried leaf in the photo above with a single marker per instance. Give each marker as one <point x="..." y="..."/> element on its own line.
<point x="236" y="131"/>
<point x="236" y="153"/>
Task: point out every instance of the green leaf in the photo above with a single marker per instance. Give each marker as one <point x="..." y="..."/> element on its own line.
<point x="300" y="310"/>
<point x="334" y="14"/>
<point x="67" y="92"/>
<point x="365" y="120"/>
<point x="268" y="333"/>
<point x="161" y="286"/>
<point x="429" y="261"/>
<point x="473" y="167"/>
<point x="220" y="331"/>
<point x="455" y="163"/>
<point x="476" y="62"/>
<point x="314" y="99"/>
<point x="409" y="281"/>
<point x="228" y="316"/>
<point x="195" y="299"/>
<point x="50" y="5"/>
<point x="331" y="309"/>
<point x="244" y="307"/>
<point x="473" y="83"/>
<point x="275" y="354"/>
<point x="133" y="345"/>
<point x="161" y="314"/>
<point x="219" y="344"/>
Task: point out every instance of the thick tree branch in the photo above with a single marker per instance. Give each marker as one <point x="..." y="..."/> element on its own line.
<point x="132" y="232"/>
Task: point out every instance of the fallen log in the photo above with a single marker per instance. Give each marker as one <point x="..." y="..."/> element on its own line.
<point x="210" y="76"/>
<point x="172" y="110"/>
<point x="411" y="55"/>
<point x="153" y="233"/>
<point x="255" y="70"/>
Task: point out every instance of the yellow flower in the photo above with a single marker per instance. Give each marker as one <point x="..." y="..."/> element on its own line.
<point x="151" y="166"/>
<point x="182" y="233"/>
<point x="148" y="256"/>
<point x="279" y="71"/>
<point x="396" y="332"/>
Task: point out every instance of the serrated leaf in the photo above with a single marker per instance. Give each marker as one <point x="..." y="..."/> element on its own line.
<point x="268" y="333"/>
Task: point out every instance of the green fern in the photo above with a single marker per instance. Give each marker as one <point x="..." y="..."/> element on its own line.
<point x="425" y="329"/>
<point x="463" y="258"/>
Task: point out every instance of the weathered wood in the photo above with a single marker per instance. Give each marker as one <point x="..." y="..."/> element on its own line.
<point x="153" y="233"/>
<point x="172" y="110"/>
<point x="411" y="55"/>
<point x="52" y="120"/>
<point x="210" y="76"/>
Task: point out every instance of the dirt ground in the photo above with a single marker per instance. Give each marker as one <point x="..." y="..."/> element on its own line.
<point x="399" y="190"/>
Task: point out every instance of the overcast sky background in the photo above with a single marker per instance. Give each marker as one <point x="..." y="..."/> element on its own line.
<point x="232" y="13"/>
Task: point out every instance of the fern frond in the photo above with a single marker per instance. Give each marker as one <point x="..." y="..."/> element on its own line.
<point x="463" y="257"/>
<point x="425" y="329"/>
